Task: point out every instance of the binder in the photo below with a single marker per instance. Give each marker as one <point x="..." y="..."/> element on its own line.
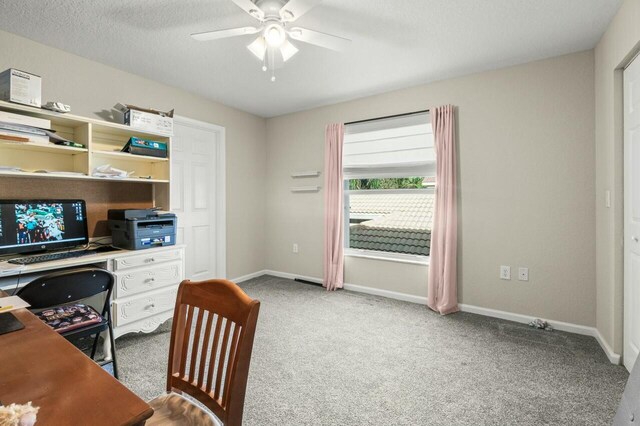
<point x="138" y="146"/>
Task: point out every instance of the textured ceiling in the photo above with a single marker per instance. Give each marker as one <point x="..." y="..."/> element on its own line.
<point x="396" y="43"/>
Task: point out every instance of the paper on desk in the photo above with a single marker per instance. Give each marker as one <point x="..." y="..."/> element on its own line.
<point x="110" y="172"/>
<point x="11" y="303"/>
<point x="8" y="268"/>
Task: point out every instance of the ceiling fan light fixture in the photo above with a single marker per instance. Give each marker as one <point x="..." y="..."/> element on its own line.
<point x="258" y="48"/>
<point x="288" y="50"/>
<point x="287" y="15"/>
<point x="296" y="32"/>
<point x="274" y="35"/>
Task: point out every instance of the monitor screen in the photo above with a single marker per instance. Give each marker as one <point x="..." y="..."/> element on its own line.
<point x="41" y="225"/>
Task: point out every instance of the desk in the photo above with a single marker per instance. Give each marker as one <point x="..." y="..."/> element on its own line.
<point x="144" y="293"/>
<point x="39" y="365"/>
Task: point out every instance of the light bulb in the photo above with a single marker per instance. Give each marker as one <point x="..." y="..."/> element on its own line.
<point x="273" y="78"/>
<point x="274" y="35"/>
<point x="264" y="68"/>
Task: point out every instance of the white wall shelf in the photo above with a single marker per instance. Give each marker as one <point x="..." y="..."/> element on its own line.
<point x="305" y="174"/>
<point x="65" y="176"/>
<point x="39" y="147"/>
<point x="130" y="157"/>
<point x="305" y="189"/>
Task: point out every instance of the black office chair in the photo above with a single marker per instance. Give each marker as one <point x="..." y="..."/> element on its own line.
<point x="49" y="292"/>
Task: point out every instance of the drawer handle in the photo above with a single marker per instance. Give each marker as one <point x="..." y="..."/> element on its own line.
<point x="150" y="280"/>
<point x="151" y="306"/>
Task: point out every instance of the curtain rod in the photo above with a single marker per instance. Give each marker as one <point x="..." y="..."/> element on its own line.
<point x="385" y="117"/>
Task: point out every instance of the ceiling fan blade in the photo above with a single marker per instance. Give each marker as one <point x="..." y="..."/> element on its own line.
<point x="250" y="7"/>
<point x="317" y="38"/>
<point x="233" y="32"/>
<point x="296" y="8"/>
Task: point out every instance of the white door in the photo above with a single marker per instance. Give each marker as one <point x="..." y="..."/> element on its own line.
<point x="195" y="196"/>
<point x="631" y="214"/>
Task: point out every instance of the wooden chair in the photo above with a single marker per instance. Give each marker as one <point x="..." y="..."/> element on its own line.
<point x="214" y="324"/>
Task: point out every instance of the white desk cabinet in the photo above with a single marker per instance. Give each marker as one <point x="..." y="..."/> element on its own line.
<point x="145" y="290"/>
<point x="144" y="293"/>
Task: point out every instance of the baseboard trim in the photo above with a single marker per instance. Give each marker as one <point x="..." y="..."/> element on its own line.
<point x="526" y="319"/>
<point x="289" y="276"/>
<point x="613" y="357"/>
<point x="386" y="293"/>
<point x="249" y="277"/>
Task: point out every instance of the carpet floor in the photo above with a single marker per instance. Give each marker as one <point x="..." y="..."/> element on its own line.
<point x="346" y="358"/>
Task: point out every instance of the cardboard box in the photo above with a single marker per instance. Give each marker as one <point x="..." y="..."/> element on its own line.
<point x="147" y="119"/>
<point x="21" y="87"/>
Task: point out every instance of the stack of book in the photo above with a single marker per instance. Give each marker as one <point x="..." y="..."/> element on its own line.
<point x="22" y="128"/>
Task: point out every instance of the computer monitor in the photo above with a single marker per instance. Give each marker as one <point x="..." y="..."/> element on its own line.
<point x="28" y="226"/>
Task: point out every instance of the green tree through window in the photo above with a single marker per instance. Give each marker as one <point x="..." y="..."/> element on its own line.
<point x="386" y="183"/>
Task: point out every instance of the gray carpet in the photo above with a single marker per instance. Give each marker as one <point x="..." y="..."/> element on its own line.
<point x="351" y="359"/>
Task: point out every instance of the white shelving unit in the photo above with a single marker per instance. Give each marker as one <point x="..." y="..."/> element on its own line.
<point x="103" y="142"/>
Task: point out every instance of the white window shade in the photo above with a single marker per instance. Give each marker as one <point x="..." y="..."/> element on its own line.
<point x="393" y="147"/>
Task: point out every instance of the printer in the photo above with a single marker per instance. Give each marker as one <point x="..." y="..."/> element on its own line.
<point x="142" y="229"/>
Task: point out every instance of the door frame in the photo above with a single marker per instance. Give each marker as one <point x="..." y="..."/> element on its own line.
<point x="220" y="188"/>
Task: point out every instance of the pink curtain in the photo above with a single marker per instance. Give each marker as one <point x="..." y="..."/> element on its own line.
<point x="333" y="204"/>
<point x="443" y="290"/>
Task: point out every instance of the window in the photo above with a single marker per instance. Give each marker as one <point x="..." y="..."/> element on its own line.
<point x="389" y="171"/>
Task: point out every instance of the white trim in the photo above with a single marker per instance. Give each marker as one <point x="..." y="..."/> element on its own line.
<point x="248" y="277"/>
<point x="614" y="358"/>
<point x="289" y="276"/>
<point x="221" y="188"/>
<point x="386" y="293"/>
<point x="526" y="319"/>
<point x="420" y="190"/>
<point x="388" y="256"/>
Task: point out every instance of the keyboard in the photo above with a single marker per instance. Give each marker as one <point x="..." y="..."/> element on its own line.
<point x="49" y="257"/>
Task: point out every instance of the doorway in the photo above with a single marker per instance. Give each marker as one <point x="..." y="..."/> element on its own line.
<point x="631" y="117"/>
<point x="198" y="196"/>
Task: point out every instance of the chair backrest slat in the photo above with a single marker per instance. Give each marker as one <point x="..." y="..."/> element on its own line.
<point x="232" y="354"/>
<point x="214" y="351"/>
<point x="217" y="374"/>
<point x="195" y="346"/>
<point x="205" y="348"/>
<point x="185" y="342"/>
<point x="222" y="356"/>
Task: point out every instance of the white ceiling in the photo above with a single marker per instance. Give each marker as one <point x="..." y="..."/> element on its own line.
<point x="396" y="43"/>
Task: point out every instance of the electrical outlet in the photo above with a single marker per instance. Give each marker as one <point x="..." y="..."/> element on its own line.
<point x="505" y="272"/>
<point x="295" y="247"/>
<point x="523" y="274"/>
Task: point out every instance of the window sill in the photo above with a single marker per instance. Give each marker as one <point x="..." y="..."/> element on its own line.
<point x="388" y="257"/>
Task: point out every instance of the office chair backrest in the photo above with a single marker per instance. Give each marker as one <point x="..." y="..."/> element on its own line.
<point x="211" y="342"/>
<point x="64" y="287"/>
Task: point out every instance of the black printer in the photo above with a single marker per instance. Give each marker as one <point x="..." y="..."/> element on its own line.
<point x="142" y="229"/>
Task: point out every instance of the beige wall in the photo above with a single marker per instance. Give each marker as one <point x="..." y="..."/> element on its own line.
<point x="612" y="53"/>
<point x="92" y="89"/>
<point x="526" y="149"/>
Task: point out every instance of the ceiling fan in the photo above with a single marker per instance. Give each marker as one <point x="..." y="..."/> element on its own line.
<point x="273" y="46"/>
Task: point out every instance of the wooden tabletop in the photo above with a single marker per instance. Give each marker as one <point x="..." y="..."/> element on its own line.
<point x="39" y="365"/>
